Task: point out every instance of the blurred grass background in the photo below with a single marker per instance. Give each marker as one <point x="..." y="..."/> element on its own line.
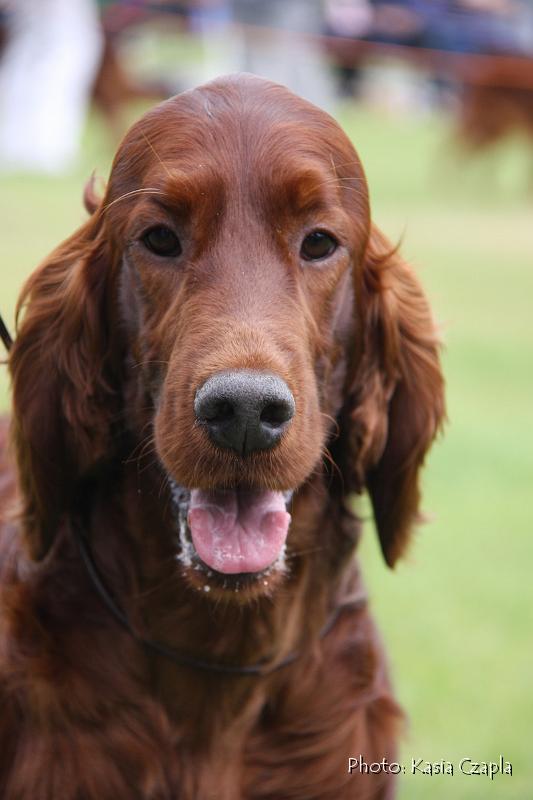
<point x="457" y="614"/>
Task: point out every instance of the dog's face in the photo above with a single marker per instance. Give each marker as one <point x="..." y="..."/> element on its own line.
<point x="234" y="258"/>
<point x="236" y="288"/>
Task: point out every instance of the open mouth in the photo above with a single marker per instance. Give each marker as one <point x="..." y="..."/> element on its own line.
<point x="232" y="532"/>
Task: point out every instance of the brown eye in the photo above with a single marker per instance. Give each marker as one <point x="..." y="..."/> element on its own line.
<point x="317" y="245"/>
<point x="162" y="241"/>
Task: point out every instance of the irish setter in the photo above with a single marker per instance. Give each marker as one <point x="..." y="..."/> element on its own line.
<point x="203" y="375"/>
<point x="496" y="102"/>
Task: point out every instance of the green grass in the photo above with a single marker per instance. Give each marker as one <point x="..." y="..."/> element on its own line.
<point x="457" y="615"/>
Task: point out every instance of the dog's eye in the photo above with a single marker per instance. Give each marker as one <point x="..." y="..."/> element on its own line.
<point x="317" y="245"/>
<point x="162" y="241"/>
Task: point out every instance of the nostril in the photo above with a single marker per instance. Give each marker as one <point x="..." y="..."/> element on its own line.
<point x="219" y="412"/>
<point x="276" y="414"/>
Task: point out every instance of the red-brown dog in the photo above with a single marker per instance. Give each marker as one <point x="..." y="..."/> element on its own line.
<point x="202" y="375"/>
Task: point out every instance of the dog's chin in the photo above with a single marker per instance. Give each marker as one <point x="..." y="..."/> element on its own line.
<point x="231" y="543"/>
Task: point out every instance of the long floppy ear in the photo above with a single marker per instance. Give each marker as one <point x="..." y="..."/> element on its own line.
<point x="396" y="402"/>
<point x="63" y="392"/>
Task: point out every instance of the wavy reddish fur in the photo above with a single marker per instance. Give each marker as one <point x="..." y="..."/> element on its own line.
<point x="110" y="348"/>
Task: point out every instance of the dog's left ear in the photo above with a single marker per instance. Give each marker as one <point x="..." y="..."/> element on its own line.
<point x="395" y="401"/>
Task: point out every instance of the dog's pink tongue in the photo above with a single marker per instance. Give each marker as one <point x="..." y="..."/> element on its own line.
<point x="236" y="530"/>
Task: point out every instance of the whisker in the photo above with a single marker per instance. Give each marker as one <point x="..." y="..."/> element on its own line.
<point x="333" y="164"/>
<point x="164" y="484"/>
<point x="144" y="440"/>
<point x="147" y="190"/>
<point x="339" y="178"/>
<point x="331" y="461"/>
<point x="156" y="154"/>
<point x="138" y="364"/>
<point x="150" y="464"/>
<point x="334" y="421"/>
<point x="346" y="163"/>
<point x="358" y="192"/>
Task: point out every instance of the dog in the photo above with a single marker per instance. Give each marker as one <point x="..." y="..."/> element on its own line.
<point x="203" y="376"/>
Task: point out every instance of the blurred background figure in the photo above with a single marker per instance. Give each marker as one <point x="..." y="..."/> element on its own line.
<point x="210" y="22"/>
<point x="478" y="26"/>
<point x="471" y="58"/>
<point x="347" y="19"/>
<point x="279" y="40"/>
<point x="51" y="54"/>
<point x="116" y="86"/>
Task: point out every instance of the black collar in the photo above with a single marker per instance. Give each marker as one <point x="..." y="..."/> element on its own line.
<point x="258" y="669"/>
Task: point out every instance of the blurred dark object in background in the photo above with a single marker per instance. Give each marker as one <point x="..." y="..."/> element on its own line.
<point x="479" y="26"/>
<point x="496" y="101"/>
<point x="280" y="40"/>
<point x="472" y="57"/>
<point x="477" y="54"/>
<point x="114" y="87"/>
<point x="458" y="26"/>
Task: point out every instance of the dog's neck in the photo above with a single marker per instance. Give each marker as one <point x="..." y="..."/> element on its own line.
<point x="165" y="607"/>
<point x="134" y="545"/>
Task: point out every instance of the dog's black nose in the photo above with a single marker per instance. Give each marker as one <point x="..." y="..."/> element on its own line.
<point x="244" y="410"/>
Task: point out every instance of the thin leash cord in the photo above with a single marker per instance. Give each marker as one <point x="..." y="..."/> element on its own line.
<point x="5" y="336"/>
<point x="258" y="669"/>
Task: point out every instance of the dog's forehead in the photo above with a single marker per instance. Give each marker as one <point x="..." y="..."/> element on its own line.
<point x="239" y="120"/>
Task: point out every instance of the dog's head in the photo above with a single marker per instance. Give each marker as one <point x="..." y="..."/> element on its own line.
<point x="229" y="303"/>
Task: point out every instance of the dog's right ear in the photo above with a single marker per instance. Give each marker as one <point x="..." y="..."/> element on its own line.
<point x="64" y="392"/>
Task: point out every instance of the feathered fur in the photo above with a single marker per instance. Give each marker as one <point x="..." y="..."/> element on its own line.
<point x="111" y="346"/>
